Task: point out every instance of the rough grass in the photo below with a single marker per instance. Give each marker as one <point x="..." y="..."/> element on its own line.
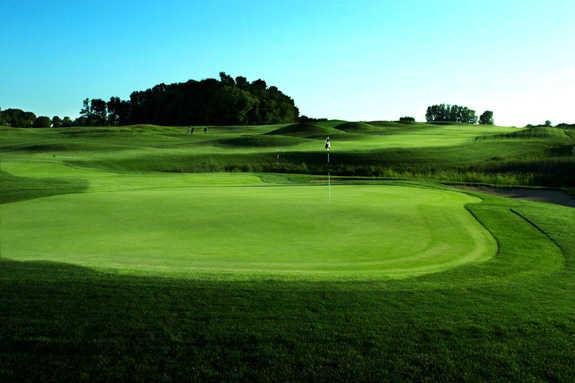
<point x="260" y="141"/>
<point x="304" y="129"/>
<point x="355" y="127"/>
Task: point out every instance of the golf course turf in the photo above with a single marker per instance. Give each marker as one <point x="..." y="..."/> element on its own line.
<point x="120" y="256"/>
<point x="361" y="231"/>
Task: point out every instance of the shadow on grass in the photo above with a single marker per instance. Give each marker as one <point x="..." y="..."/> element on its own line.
<point x="13" y="188"/>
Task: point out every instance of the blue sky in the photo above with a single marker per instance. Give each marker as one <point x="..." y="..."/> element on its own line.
<point x="355" y="60"/>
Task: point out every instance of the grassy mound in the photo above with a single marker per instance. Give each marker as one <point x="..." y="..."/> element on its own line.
<point x="534" y="132"/>
<point x="305" y="129"/>
<point x="260" y="141"/>
<point x="355" y="127"/>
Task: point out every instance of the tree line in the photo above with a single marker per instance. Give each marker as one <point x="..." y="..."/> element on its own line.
<point x="457" y="114"/>
<point x="225" y="101"/>
<point x="19" y="118"/>
<point x="209" y="101"/>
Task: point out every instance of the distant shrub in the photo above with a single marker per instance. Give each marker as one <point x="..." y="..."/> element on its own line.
<point x="310" y="119"/>
<point x="407" y="120"/>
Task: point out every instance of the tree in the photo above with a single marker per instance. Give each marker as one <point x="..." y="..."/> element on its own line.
<point x="450" y="113"/>
<point x="98" y="112"/>
<point x="226" y="79"/>
<point x="42" y="122"/>
<point x="242" y="82"/>
<point x="209" y="101"/>
<point x="66" y="122"/>
<point x="486" y="118"/>
<point x="407" y="120"/>
<point x="113" y="112"/>
<point x="18" y="118"/>
<point x="548" y="123"/>
<point x="85" y="111"/>
<point x="56" y="122"/>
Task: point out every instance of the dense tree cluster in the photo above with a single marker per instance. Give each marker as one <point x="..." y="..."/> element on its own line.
<point x="451" y="113"/>
<point x="407" y="120"/>
<point x="486" y="118"/>
<point x="42" y="122"/>
<point x="18" y="118"/>
<point x="209" y="101"/>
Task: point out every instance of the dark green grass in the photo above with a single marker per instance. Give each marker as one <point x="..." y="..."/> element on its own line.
<point x="534" y="132"/>
<point x="355" y="127"/>
<point x="14" y="188"/>
<point x="260" y="141"/>
<point x="305" y="129"/>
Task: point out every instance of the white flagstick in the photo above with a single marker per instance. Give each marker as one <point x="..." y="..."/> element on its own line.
<point x="329" y="185"/>
<point x="327" y="148"/>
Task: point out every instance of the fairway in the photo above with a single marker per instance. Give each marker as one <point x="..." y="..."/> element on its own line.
<point x="308" y="232"/>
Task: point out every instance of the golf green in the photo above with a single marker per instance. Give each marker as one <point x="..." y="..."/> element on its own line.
<point x="304" y="232"/>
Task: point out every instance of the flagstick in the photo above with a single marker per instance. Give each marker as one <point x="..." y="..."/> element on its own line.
<point x="329" y="185"/>
<point x="328" y="179"/>
<point x="328" y="148"/>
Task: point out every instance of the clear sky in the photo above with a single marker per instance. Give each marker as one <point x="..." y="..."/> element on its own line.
<point x="355" y="60"/>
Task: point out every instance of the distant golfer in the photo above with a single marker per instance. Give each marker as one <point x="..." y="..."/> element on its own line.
<point x="327" y="144"/>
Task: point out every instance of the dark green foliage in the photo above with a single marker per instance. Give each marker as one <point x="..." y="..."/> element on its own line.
<point x="99" y="111"/>
<point x="407" y="120"/>
<point x="17" y="118"/>
<point x="195" y="102"/>
<point x="93" y="113"/>
<point x="56" y="122"/>
<point x="451" y="113"/>
<point x="67" y="122"/>
<point x="118" y="111"/>
<point x="42" y="122"/>
<point x="486" y="118"/>
<point x="311" y="119"/>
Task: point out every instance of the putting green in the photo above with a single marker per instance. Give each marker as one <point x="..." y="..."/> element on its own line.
<point x="361" y="231"/>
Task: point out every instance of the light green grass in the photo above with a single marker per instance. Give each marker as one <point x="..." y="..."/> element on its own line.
<point x="276" y="231"/>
